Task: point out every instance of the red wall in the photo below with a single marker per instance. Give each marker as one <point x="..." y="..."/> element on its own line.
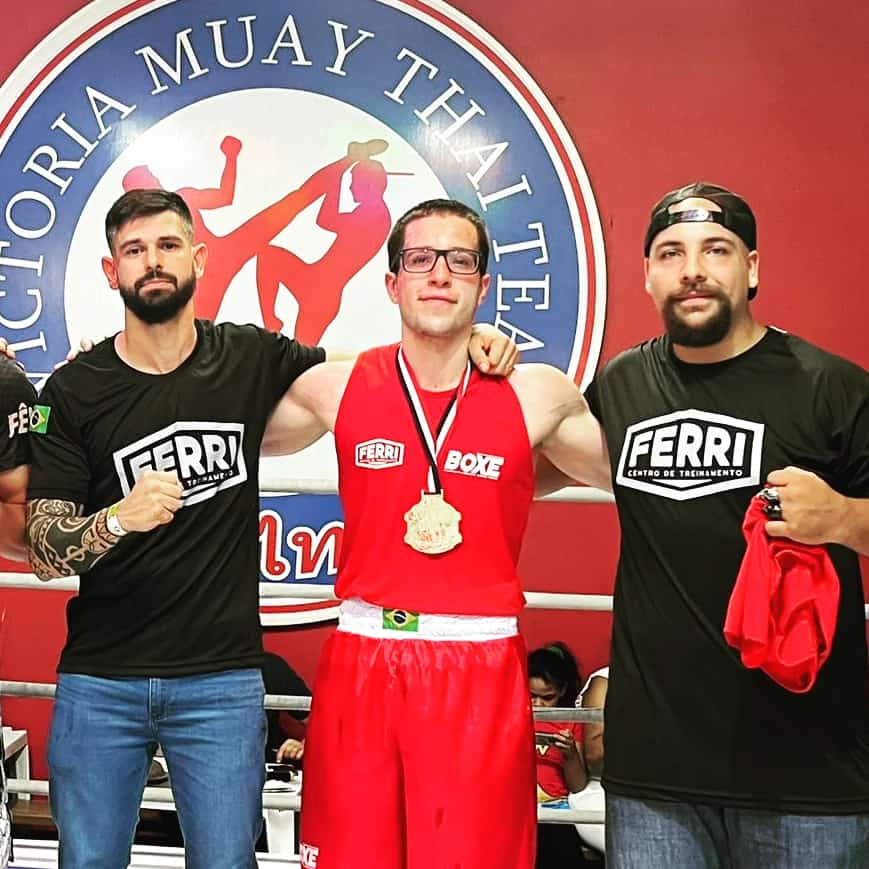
<point x="767" y="98"/>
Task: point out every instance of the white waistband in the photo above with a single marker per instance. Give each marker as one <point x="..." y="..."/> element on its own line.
<point x="358" y="617"/>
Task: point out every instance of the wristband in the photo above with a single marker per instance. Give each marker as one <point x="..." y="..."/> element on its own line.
<point x="113" y="524"/>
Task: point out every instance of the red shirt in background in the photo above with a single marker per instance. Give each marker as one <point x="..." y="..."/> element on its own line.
<point x="550" y="760"/>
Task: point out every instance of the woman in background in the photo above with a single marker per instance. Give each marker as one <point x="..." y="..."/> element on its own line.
<point x="553" y="680"/>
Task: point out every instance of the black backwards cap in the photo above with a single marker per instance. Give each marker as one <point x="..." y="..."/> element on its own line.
<point x="735" y="215"/>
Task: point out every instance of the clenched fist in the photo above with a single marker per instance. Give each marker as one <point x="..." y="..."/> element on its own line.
<point x="154" y="501"/>
<point x="230" y="146"/>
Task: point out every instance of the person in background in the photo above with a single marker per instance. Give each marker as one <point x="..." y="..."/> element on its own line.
<point x="592" y="798"/>
<point x="17" y="399"/>
<point x="286" y="730"/>
<point x="553" y="680"/>
<point x="593" y="696"/>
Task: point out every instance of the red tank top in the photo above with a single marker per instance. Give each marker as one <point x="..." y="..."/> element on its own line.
<point x="487" y="474"/>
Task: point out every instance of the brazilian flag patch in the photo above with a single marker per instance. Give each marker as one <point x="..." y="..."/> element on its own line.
<point x="400" y="620"/>
<point x="39" y="418"/>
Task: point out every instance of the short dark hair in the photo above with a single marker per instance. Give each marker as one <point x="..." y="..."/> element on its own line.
<point x="556" y="665"/>
<point x="143" y="203"/>
<point x="395" y="242"/>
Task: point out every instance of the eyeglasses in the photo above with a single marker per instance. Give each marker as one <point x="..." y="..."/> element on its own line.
<point x="459" y="260"/>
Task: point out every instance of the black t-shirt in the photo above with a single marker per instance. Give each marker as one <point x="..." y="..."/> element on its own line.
<point x="690" y="445"/>
<point x="183" y="598"/>
<point x="17" y="397"/>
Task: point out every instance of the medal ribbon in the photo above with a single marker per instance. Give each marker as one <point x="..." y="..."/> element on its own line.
<point x="431" y="443"/>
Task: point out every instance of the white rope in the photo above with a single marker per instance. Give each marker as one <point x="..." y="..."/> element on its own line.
<point x="29" y="580"/>
<point x="272" y="800"/>
<point x="297" y="703"/>
<point x="280" y="484"/>
<point x="570" y="816"/>
<point x="315" y="591"/>
<point x="43" y="854"/>
<point x="41" y="690"/>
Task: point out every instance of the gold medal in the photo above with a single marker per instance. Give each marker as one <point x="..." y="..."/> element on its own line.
<point x="432" y="525"/>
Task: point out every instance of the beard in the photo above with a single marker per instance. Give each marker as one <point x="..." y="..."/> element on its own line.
<point x="712" y="330"/>
<point x="158" y="307"/>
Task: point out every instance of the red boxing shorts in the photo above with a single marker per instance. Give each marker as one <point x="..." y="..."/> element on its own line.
<point x="420" y="746"/>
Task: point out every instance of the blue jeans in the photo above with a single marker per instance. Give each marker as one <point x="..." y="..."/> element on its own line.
<point x="104" y="733"/>
<point x="651" y="834"/>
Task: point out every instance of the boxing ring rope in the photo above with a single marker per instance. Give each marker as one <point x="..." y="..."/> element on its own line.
<point x="296" y="703"/>
<point x="46" y="691"/>
<point x="293" y="802"/>
<point x="324" y="592"/>
<point x="282" y="484"/>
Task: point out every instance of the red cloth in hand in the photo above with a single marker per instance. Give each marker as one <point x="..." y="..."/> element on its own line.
<point x="782" y="612"/>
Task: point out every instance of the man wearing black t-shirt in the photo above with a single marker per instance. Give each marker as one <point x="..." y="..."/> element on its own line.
<point x="145" y="482"/>
<point x="709" y="763"/>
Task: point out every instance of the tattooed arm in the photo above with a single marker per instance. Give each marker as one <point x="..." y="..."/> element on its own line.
<point x="62" y="542"/>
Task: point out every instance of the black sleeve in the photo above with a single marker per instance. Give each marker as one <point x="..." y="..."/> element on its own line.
<point x="59" y="467"/>
<point x="847" y="394"/>
<point x="286" y="359"/>
<point x="18" y="397"/>
<point x="592" y="398"/>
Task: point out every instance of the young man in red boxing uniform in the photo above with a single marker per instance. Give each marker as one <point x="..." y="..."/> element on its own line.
<point x="421" y="700"/>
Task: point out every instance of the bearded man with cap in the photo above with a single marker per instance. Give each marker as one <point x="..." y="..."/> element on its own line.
<point x="710" y="763"/>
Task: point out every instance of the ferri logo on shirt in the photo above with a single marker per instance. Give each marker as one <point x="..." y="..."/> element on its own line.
<point x="207" y="456"/>
<point x="379" y="453"/>
<point x="690" y="454"/>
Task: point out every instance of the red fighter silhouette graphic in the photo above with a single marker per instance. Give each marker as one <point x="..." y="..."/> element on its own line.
<point x="317" y="286"/>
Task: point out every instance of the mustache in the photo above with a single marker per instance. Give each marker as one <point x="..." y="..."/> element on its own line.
<point x="153" y="275"/>
<point x="697" y="288"/>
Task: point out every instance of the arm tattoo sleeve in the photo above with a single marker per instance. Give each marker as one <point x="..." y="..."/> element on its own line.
<point x="62" y="542"/>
